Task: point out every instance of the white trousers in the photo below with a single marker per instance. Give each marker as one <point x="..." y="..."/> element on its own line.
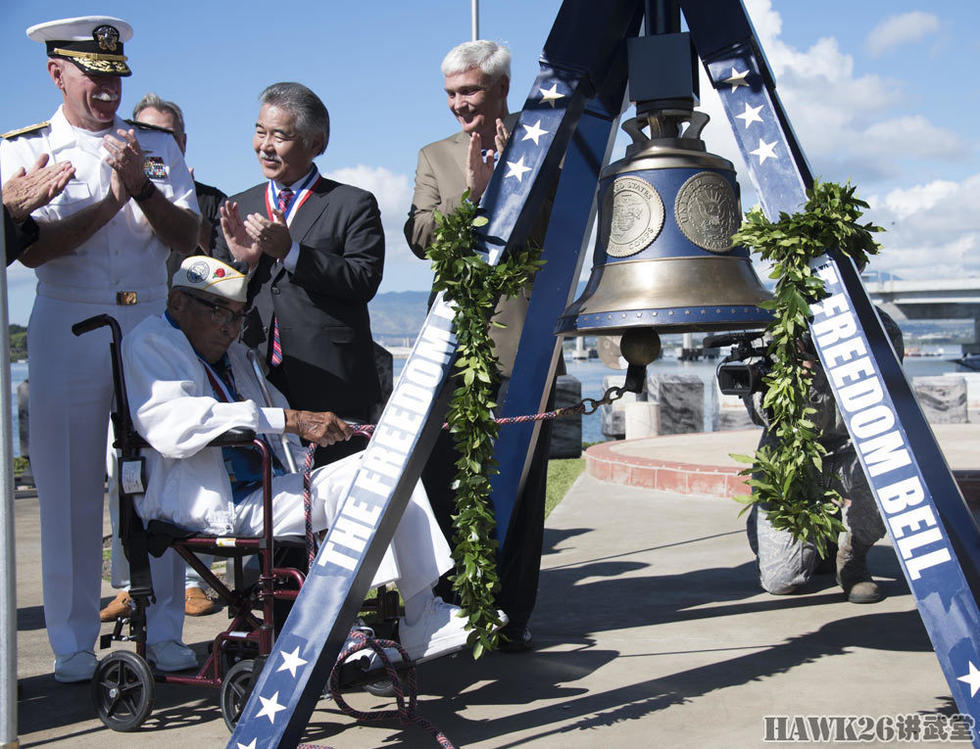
<point x="119" y="565"/>
<point x="418" y="553"/>
<point x="70" y="398"/>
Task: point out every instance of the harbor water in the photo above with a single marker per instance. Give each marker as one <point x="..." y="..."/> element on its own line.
<point x="590" y="372"/>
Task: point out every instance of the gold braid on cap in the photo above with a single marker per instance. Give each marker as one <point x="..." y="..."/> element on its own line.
<point x="93" y="56"/>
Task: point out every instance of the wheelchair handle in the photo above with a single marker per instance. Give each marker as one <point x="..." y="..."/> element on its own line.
<point x="96" y="322"/>
<point x="236" y="436"/>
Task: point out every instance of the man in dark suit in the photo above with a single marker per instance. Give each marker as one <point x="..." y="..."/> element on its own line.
<point x="315" y="248"/>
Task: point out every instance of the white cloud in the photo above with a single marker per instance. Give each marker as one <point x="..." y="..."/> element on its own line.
<point x="932" y="229"/>
<point x="858" y="126"/>
<point x="768" y="23"/>
<point x="901" y="29"/>
<point x="394" y="194"/>
<point x="403" y="271"/>
<point x="913" y="136"/>
<point x="903" y="203"/>
<point x="851" y="125"/>
<point x="393" y="191"/>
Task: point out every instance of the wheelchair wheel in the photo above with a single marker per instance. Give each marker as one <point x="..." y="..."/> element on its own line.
<point x="235" y="690"/>
<point x="123" y="691"/>
<point x="380" y="688"/>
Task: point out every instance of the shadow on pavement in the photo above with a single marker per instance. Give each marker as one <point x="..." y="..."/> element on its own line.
<point x="578" y="603"/>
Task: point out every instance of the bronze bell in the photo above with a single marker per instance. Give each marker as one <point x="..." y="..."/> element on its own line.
<point x="664" y="258"/>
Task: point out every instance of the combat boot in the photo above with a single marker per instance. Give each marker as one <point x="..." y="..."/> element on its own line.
<point x="852" y="571"/>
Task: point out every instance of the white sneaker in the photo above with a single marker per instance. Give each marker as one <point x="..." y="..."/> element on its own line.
<point x="367" y="659"/>
<point x="69" y="669"/>
<point x="171" y="655"/>
<point x="440" y="630"/>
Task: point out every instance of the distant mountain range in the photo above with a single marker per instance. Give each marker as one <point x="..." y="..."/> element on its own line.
<point x="397" y="315"/>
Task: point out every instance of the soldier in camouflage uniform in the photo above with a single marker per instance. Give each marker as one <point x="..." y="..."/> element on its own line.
<point x="785" y="565"/>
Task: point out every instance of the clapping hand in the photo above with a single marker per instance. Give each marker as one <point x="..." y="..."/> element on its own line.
<point x="480" y="164"/>
<point x="126" y="159"/>
<point x="26" y="191"/>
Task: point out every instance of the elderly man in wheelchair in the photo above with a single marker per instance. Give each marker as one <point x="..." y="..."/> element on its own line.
<point x="189" y="381"/>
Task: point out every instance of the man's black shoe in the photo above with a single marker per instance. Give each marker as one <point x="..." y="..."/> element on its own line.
<point x="516" y="639"/>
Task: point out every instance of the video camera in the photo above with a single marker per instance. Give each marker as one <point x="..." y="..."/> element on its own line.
<point x="741" y="373"/>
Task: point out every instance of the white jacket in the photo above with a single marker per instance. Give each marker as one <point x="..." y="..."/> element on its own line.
<point x="174" y="409"/>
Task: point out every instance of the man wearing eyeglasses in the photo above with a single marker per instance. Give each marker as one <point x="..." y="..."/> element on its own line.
<point x="190" y="381"/>
<point x="316" y="251"/>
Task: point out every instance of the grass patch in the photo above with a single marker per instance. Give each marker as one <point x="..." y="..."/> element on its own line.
<point x="561" y="475"/>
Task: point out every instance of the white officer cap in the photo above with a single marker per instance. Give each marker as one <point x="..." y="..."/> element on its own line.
<point x="212" y="276"/>
<point x="93" y="43"/>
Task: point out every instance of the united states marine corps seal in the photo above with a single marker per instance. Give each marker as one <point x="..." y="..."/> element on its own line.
<point x="635" y="214"/>
<point x="707" y="211"/>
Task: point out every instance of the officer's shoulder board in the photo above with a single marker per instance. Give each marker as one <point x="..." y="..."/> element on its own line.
<point x="25" y="130"/>
<point x="147" y="126"/>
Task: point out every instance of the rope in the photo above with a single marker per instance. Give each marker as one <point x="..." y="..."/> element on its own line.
<point x="308" y="505"/>
<point x="585" y="406"/>
<point x="406" y="714"/>
<point x="359" y="640"/>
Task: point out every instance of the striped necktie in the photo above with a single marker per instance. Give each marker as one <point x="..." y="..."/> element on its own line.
<point x="284" y="198"/>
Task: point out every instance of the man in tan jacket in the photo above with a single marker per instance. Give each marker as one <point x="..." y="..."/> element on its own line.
<point x="477" y="80"/>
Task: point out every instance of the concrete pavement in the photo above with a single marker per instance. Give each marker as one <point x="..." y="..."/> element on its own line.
<point x="650" y="628"/>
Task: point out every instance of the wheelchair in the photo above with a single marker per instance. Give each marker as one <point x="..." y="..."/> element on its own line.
<point x="123" y="686"/>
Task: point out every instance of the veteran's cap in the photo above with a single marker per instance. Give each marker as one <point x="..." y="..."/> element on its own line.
<point x="93" y="43"/>
<point x="211" y="275"/>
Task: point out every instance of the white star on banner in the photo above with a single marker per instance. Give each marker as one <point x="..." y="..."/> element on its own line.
<point x="249" y="745"/>
<point x="517" y="169"/>
<point x="972" y="678"/>
<point x="750" y="115"/>
<point x="551" y="95"/>
<point x="291" y="661"/>
<point x="533" y="132"/>
<point x="270" y="707"/>
<point x="765" y="151"/>
<point x="737" y="79"/>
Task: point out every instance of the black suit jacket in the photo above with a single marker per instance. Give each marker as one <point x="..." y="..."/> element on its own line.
<point x="322" y="308"/>
<point x="17" y="237"/>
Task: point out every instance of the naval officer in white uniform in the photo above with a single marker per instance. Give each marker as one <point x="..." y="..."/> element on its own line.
<point x="102" y="248"/>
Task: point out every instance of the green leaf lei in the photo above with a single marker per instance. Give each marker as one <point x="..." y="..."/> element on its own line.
<point x="787" y="476"/>
<point x="474" y="287"/>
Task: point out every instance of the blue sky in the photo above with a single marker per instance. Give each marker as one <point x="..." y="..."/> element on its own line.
<point x="878" y="92"/>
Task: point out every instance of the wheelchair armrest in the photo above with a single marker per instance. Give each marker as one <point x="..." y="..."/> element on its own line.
<point x="133" y="441"/>
<point x="239" y="436"/>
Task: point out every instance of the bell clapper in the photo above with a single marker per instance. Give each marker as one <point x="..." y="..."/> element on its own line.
<point x="639" y="347"/>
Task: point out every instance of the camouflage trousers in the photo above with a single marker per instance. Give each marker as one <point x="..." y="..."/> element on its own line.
<point x="785" y="565"/>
